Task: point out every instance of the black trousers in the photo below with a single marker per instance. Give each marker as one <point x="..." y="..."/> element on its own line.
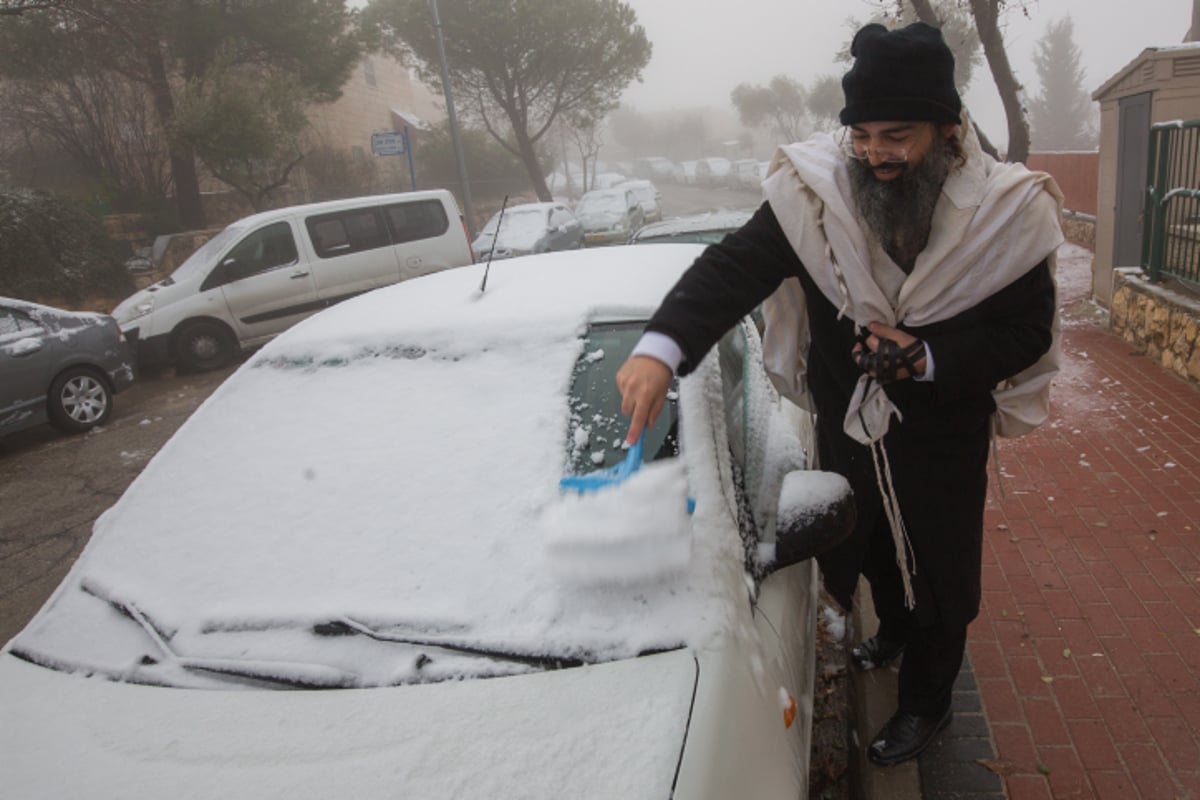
<point x="933" y="653"/>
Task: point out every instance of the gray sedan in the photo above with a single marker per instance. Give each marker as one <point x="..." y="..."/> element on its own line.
<point x="58" y="366"/>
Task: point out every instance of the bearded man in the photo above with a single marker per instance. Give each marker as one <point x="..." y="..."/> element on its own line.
<point x="910" y="304"/>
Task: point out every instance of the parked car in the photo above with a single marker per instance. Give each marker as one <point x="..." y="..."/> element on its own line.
<point x="475" y="629"/>
<point x="653" y="168"/>
<point x="607" y="180"/>
<point x="648" y="197"/>
<point x="705" y="228"/>
<point x="529" y="228"/>
<point x="743" y="174"/>
<point x="608" y="216"/>
<point x="713" y="171"/>
<point x="264" y="273"/>
<point x="57" y="366"/>
<point x="685" y="173"/>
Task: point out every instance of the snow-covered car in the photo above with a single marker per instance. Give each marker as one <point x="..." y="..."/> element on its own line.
<point x="706" y="228"/>
<point x="648" y="197"/>
<point x="685" y="172"/>
<point x="382" y="588"/>
<point x="528" y="228"/>
<point x="608" y="216"/>
<point x="607" y="180"/>
<point x="743" y="174"/>
<point x="58" y="366"/>
<point x="713" y="171"/>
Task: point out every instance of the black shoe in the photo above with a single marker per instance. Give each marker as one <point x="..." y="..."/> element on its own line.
<point x="904" y="736"/>
<point x="875" y="652"/>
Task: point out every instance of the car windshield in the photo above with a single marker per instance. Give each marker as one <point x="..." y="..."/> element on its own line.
<point x="518" y="223"/>
<point x="644" y="193"/>
<point x="597" y="425"/>
<point x="599" y="203"/>
<point x="200" y="259"/>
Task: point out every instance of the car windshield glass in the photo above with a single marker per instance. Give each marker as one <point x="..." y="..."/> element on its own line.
<point x="697" y="237"/>
<point x="598" y="427"/>
<point x="592" y="203"/>
<point x="518" y="224"/>
<point x="517" y="221"/>
<point x="200" y="259"/>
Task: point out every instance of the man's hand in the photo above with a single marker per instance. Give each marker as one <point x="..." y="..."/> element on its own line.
<point x="880" y="331"/>
<point x="643" y="382"/>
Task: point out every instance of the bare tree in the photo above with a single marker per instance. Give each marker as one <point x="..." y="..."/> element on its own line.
<point x="102" y="122"/>
<point x="986" y="14"/>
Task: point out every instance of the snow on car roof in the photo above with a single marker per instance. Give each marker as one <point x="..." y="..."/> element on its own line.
<point x="397" y="458"/>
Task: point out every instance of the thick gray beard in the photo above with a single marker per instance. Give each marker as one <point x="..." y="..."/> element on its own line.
<point x="899" y="212"/>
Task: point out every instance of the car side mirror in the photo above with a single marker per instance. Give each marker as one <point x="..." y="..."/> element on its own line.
<point x="815" y="514"/>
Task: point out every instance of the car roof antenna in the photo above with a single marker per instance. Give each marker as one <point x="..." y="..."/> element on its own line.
<point x="492" y="249"/>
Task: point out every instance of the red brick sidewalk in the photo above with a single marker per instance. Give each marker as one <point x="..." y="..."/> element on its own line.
<point x="1087" y="648"/>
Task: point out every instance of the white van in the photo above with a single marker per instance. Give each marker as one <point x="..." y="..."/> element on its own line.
<point x="268" y="271"/>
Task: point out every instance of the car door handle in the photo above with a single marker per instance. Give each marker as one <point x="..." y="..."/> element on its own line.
<point x="414" y="261"/>
<point x="298" y="275"/>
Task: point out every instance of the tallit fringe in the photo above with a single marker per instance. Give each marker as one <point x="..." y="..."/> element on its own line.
<point x="891" y="508"/>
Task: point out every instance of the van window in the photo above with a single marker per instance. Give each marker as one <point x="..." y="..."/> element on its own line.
<point x="265" y="249"/>
<point x="347" y="232"/>
<point x="423" y="219"/>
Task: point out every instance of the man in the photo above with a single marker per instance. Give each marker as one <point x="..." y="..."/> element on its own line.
<point x="909" y="304"/>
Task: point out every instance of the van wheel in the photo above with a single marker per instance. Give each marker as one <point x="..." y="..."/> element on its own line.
<point x="203" y="346"/>
<point x="79" y="400"/>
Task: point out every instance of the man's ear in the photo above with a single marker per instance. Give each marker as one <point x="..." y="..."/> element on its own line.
<point x="947" y="129"/>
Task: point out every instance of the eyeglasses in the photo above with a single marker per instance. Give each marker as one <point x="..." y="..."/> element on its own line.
<point x="884" y="156"/>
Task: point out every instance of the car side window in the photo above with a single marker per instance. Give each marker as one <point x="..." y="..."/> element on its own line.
<point x="421" y="219"/>
<point x="343" y="232"/>
<point x="264" y="249"/>
<point x="13" y="321"/>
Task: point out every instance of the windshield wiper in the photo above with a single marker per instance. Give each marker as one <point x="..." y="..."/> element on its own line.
<point x="349" y="627"/>
<point x="287" y="673"/>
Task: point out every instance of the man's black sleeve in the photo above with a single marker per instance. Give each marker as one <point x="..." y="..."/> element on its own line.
<point x="1000" y="337"/>
<point x="725" y="284"/>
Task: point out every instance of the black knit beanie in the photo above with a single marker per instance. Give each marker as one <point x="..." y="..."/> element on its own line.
<point x="905" y="75"/>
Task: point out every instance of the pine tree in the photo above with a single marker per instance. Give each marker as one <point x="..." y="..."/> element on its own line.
<point x="1061" y="115"/>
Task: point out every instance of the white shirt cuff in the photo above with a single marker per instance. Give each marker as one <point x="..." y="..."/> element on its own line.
<point x="928" y="376"/>
<point x="661" y="347"/>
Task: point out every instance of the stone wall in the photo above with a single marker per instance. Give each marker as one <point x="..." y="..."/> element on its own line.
<point x="1158" y="321"/>
<point x="1081" y="230"/>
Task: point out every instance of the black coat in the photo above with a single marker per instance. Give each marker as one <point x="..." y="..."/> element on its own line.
<point x="938" y="452"/>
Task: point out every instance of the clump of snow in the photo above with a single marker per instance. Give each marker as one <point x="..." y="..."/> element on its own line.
<point x="632" y="532"/>
<point x="806" y="494"/>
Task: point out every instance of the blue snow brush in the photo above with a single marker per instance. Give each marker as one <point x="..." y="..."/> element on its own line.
<point x="611" y="476"/>
<point x="603" y="478"/>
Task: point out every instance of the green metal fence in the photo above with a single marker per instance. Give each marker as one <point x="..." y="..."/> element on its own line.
<point x="1171" y="232"/>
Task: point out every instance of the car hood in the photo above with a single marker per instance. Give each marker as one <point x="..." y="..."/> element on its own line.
<point x="619" y="725"/>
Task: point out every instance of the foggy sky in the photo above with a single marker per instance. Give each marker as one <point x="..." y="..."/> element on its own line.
<point x="703" y="49"/>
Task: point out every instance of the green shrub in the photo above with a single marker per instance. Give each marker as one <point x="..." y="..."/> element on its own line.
<point x="53" y="251"/>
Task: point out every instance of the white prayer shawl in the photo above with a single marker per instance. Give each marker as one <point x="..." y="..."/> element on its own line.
<point x="992" y="223"/>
